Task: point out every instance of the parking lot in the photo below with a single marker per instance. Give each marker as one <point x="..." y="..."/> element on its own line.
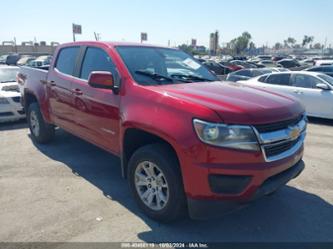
<point x="71" y="190"/>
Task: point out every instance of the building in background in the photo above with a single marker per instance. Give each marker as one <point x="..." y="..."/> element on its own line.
<point x="28" y="47"/>
<point x="214" y="43"/>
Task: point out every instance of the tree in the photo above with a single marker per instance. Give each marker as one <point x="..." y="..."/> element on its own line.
<point x="186" y="48"/>
<point x="318" y="46"/>
<point x="307" y="40"/>
<point x="290" y="42"/>
<point x="278" y="46"/>
<point x="252" y="45"/>
<point x="285" y="43"/>
<point x="241" y="43"/>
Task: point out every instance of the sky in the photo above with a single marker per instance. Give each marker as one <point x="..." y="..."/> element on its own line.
<point x="268" y="21"/>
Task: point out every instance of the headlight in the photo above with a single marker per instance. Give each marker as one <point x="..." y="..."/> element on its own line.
<point x="3" y="101"/>
<point x="230" y="136"/>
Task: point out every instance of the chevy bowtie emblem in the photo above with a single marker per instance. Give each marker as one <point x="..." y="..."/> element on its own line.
<point x="294" y="132"/>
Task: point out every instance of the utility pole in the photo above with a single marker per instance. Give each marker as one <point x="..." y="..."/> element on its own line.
<point x="97" y="36"/>
<point x="15" y="47"/>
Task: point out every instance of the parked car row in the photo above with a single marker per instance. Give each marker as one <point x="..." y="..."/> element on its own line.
<point x="226" y="65"/>
<point x="25" y="60"/>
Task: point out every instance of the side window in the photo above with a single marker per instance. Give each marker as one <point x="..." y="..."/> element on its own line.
<point x="279" y="79"/>
<point x="96" y="59"/>
<point x="67" y="59"/>
<point x="305" y="81"/>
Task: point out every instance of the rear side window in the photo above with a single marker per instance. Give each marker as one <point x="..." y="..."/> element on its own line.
<point x="96" y="59"/>
<point x="279" y="79"/>
<point x="67" y="59"/>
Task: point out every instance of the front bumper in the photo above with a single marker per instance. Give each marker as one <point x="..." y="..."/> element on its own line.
<point x="12" y="111"/>
<point x="204" y="209"/>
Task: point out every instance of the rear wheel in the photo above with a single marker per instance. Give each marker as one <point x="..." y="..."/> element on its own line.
<point x="41" y="132"/>
<point x="155" y="181"/>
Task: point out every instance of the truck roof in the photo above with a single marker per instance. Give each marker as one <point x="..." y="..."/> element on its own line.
<point x="110" y="44"/>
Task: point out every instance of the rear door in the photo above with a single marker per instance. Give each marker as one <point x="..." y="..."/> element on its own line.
<point x="96" y="111"/>
<point x="316" y="101"/>
<point x="59" y="86"/>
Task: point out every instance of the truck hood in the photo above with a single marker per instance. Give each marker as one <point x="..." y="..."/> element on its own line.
<point x="236" y="103"/>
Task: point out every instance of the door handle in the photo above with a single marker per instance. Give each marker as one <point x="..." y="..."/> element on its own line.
<point x="51" y="82"/>
<point x="77" y="91"/>
<point x="297" y="91"/>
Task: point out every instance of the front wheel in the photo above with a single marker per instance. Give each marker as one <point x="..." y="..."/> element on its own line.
<point x="41" y="132"/>
<point x="156" y="183"/>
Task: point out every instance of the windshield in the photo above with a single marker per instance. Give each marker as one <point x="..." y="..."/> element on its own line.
<point x="156" y="66"/>
<point x="8" y="74"/>
<point x="327" y="78"/>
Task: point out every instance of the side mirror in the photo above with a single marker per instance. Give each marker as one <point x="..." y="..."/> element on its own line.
<point x="323" y="86"/>
<point x="101" y="79"/>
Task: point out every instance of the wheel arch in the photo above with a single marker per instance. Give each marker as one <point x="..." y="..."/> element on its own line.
<point x="31" y="97"/>
<point x="135" y="138"/>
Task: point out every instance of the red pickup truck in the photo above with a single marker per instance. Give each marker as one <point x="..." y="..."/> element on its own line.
<point x="187" y="142"/>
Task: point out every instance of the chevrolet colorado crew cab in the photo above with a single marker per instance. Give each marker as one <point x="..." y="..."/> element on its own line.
<point x="188" y="143"/>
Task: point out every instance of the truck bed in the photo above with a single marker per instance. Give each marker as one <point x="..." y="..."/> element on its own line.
<point x="32" y="79"/>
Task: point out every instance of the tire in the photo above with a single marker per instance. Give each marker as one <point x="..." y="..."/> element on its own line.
<point x="41" y="132"/>
<point x="173" y="204"/>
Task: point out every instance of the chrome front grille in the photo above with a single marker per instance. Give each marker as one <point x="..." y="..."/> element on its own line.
<point x="276" y="149"/>
<point x="283" y="142"/>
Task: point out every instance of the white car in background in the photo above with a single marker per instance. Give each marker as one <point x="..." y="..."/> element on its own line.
<point x="10" y="97"/>
<point x="314" y="90"/>
<point x="323" y="62"/>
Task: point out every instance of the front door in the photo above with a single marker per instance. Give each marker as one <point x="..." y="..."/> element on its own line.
<point x="317" y="102"/>
<point x="96" y="111"/>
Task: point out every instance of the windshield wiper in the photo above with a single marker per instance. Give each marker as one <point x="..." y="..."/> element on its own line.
<point x="155" y="76"/>
<point x="190" y="77"/>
